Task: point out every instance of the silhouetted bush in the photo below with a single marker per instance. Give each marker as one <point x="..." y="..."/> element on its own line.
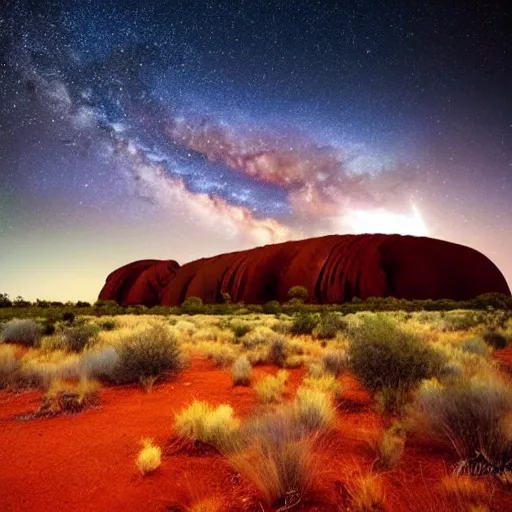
<point x="495" y="339"/>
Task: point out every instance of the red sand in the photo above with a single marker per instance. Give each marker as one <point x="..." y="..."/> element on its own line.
<point x="85" y="462"/>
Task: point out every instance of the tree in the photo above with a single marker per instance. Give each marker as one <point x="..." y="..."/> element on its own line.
<point x="5" y="302"/>
<point x="298" y="292"/>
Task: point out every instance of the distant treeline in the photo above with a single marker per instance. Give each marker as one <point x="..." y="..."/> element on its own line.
<point x="194" y="305"/>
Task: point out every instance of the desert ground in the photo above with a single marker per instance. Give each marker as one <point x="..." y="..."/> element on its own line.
<point x="389" y="411"/>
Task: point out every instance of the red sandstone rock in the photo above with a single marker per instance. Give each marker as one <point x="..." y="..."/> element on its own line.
<point x="333" y="269"/>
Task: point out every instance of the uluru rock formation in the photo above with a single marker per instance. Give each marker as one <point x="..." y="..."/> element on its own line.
<point x="332" y="268"/>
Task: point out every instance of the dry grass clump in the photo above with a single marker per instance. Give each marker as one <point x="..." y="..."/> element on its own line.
<point x="10" y="367"/>
<point x="278" y="351"/>
<point x="220" y="355"/>
<point x="334" y="362"/>
<point x="271" y="387"/>
<point x="146" y="356"/>
<point x="313" y="408"/>
<point x="40" y="369"/>
<point x="23" y="332"/>
<point x="279" y="457"/>
<point x="325" y="383"/>
<point x="72" y="397"/>
<point x="464" y="491"/>
<point x="260" y="335"/>
<point x="367" y="494"/>
<point x="100" y="363"/>
<point x="390" y="446"/>
<point x="202" y="422"/>
<point x="473" y="416"/>
<point x="149" y="458"/>
<point x="241" y="371"/>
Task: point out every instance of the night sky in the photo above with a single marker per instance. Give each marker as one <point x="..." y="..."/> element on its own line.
<point x="182" y="129"/>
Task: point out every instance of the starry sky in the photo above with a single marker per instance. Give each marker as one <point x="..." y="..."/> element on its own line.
<point x="182" y="129"/>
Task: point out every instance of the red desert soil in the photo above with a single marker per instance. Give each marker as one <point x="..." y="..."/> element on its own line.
<point x="85" y="462"/>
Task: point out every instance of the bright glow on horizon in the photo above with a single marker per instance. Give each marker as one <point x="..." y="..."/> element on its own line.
<point x="381" y="220"/>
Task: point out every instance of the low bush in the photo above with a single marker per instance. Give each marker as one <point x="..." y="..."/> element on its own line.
<point x="329" y="326"/>
<point x="383" y="356"/>
<point x="303" y="324"/>
<point x="240" y="329"/>
<point x="202" y="422"/>
<point x="390" y="446"/>
<point x="192" y="305"/>
<point x="272" y="307"/>
<point x="23" y="332"/>
<point x="76" y="339"/>
<point x="149" y="458"/>
<point x="495" y="340"/>
<point x="278" y="352"/>
<point x="100" y="363"/>
<point x="146" y="356"/>
<point x="271" y="387"/>
<point x="241" y="371"/>
<point x="70" y="397"/>
<point x="471" y="415"/>
<point x="108" y="325"/>
<point x="459" y="321"/>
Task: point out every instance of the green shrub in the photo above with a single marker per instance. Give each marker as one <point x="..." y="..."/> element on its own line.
<point x="108" y="325"/>
<point x="24" y="332"/>
<point x="241" y="371"/>
<point x="76" y="339"/>
<point x="192" y="305"/>
<point x="145" y="356"/>
<point x="272" y="307"/>
<point x="303" y="324"/>
<point x="329" y="326"/>
<point x="240" y="330"/>
<point x="472" y="415"/>
<point x="459" y="321"/>
<point x="383" y="356"/>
